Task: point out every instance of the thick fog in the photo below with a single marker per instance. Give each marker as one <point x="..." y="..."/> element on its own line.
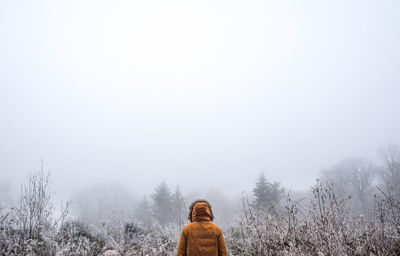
<point x="201" y="94"/>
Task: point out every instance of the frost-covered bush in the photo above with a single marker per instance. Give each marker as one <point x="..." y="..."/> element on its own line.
<point x="16" y="241"/>
<point x="325" y="228"/>
<point x="130" y="239"/>
<point x="10" y="237"/>
<point x="75" y="238"/>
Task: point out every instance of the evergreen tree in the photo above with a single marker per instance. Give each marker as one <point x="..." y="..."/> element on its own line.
<point x="178" y="203"/>
<point x="261" y="192"/>
<point x="276" y="192"/>
<point x="143" y="212"/>
<point x="266" y="193"/>
<point x="162" y="204"/>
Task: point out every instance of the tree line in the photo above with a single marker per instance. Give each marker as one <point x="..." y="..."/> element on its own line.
<point x="166" y="208"/>
<point x="357" y="178"/>
<point x="360" y="179"/>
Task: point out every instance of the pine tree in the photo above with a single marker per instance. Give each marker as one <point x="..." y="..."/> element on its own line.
<point x="262" y="192"/>
<point x="266" y="193"/>
<point x="143" y="212"/>
<point x="162" y="204"/>
<point x="276" y="192"/>
<point x="178" y="203"/>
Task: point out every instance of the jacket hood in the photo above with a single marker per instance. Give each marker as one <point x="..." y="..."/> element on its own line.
<point x="201" y="212"/>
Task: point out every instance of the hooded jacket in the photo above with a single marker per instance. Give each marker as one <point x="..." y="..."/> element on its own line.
<point x="201" y="237"/>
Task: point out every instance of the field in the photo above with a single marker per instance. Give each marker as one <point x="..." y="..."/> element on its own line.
<point x="323" y="226"/>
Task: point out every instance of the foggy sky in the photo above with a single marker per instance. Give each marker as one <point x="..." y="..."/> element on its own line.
<point x="201" y="94"/>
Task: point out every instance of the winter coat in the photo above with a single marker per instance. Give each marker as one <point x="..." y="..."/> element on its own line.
<point x="201" y="237"/>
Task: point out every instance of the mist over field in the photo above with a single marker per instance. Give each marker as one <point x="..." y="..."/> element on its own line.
<point x="115" y="107"/>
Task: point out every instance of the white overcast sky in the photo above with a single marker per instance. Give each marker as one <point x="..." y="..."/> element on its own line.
<point x="200" y="93"/>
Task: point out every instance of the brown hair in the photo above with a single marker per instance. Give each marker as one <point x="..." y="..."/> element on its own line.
<point x="199" y="201"/>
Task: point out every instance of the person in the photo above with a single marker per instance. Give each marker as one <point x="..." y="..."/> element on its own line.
<point x="201" y="237"/>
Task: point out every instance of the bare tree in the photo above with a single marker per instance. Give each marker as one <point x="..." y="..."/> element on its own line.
<point x="35" y="210"/>
<point x="353" y="176"/>
<point x="389" y="157"/>
<point x="360" y="174"/>
<point x="336" y="177"/>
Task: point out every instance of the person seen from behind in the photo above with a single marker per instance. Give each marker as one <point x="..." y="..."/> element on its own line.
<point x="201" y="237"/>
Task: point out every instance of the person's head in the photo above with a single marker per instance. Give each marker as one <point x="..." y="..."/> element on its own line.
<point x="200" y="208"/>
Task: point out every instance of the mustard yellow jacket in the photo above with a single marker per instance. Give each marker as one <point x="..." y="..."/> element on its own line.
<point x="201" y="237"/>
